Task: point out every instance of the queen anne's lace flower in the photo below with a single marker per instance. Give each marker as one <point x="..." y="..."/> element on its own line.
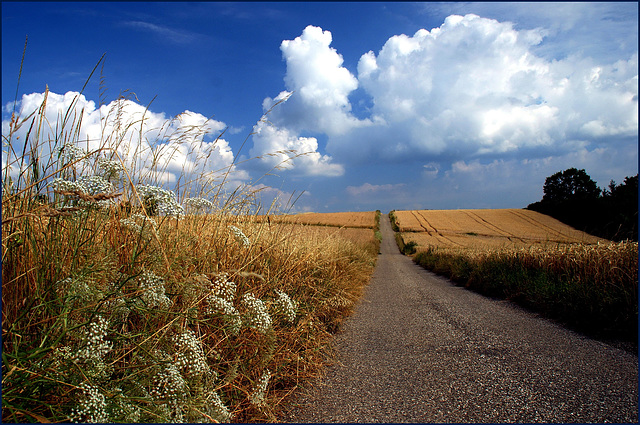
<point x="110" y="168"/>
<point x="286" y="306"/>
<point x="260" y="389"/>
<point x="70" y="152"/>
<point x="95" y="346"/>
<point x="257" y="316"/>
<point x="216" y="408"/>
<point x="165" y="200"/>
<point x="226" y="308"/>
<point x="198" y="204"/>
<point x="90" y="185"/>
<point x="190" y="357"/>
<point x="154" y="292"/>
<point x="92" y="406"/>
<point x="137" y="222"/>
<point x="240" y="237"/>
<point x="222" y="287"/>
<point x="169" y="384"/>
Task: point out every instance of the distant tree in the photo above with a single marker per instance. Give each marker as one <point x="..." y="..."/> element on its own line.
<point x="573" y="198"/>
<point x="571" y="184"/>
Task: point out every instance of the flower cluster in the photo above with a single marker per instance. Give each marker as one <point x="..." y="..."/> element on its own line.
<point x="222" y="306"/>
<point x="111" y="169"/>
<point x="67" y="185"/>
<point x="76" y="288"/>
<point x="169" y="384"/>
<point x="190" y="357"/>
<point x="199" y="204"/>
<point x="95" y="346"/>
<point x="137" y="222"/>
<point x="220" y="301"/>
<point x="92" y="406"/>
<point x="286" y="306"/>
<point x="154" y="292"/>
<point x="257" y="315"/>
<point x="163" y="199"/>
<point x="217" y="410"/>
<point x="90" y="185"/>
<point x="70" y="153"/>
<point x="260" y="389"/>
<point x="224" y="288"/>
<point x="240" y="237"/>
<point x="118" y="308"/>
<point x="122" y="411"/>
<point x="96" y="184"/>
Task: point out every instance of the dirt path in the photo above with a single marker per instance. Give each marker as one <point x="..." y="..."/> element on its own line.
<point x="419" y="349"/>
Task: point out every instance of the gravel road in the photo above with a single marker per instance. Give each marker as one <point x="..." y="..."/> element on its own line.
<point x="419" y="349"/>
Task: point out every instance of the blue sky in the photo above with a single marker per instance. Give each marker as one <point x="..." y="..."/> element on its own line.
<point x="395" y="105"/>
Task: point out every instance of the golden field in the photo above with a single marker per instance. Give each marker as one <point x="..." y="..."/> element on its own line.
<point x="485" y="228"/>
<point x="341" y="219"/>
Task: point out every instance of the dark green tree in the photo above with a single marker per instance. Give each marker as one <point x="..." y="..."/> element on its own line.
<point x="568" y="185"/>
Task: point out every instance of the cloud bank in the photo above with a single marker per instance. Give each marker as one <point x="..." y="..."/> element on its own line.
<point x="471" y="89"/>
<point x="152" y="146"/>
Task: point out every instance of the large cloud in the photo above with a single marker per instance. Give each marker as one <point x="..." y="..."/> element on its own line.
<point x="280" y="148"/>
<point x="318" y="89"/>
<point x="472" y="88"/>
<point x="154" y="148"/>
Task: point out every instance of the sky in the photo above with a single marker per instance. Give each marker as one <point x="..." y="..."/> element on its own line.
<point x="381" y="105"/>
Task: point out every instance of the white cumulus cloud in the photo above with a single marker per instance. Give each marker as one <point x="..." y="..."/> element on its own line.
<point x="281" y="148"/>
<point x="151" y="145"/>
<point x="471" y="88"/>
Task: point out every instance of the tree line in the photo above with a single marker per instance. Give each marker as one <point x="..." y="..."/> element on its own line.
<point x="572" y="197"/>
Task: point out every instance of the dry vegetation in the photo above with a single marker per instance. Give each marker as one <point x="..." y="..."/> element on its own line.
<point x="587" y="282"/>
<point x="365" y="220"/>
<point x="124" y="302"/>
<point x="485" y="229"/>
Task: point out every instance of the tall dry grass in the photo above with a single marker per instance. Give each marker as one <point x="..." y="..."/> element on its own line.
<point x="126" y="301"/>
<point x="590" y="287"/>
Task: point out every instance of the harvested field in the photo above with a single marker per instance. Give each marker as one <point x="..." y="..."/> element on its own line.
<point x="341" y="219"/>
<point x="486" y="228"/>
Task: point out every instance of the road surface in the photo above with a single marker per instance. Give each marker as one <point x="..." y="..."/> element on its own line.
<point x="420" y="349"/>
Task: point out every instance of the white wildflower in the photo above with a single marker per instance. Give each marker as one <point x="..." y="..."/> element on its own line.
<point x="199" y="204"/>
<point x="110" y="168"/>
<point x="286" y="306"/>
<point x="217" y="305"/>
<point x="163" y="199"/>
<point x="94" y="345"/>
<point x="91" y="405"/>
<point x="90" y="185"/>
<point x="257" y="315"/>
<point x="70" y="153"/>
<point x="137" y="222"/>
<point x="216" y="408"/>
<point x="222" y="287"/>
<point x="76" y="288"/>
<point x="169" y="383"/>
<point x="191" y="357"/>
<point x="67" y="185"/>
<point x="122" y="410"/>
<point x="96" y="184"/>
<point x="257" y="396"/>
<point x="154" y="291"/>
<point x="241" y="238"/>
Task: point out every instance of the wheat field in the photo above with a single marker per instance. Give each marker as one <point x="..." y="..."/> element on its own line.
<point x="339" y="219"/>
<point x="485" y="228"/>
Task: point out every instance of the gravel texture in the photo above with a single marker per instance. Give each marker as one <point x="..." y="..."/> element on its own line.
<point x="420" y="349"/>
